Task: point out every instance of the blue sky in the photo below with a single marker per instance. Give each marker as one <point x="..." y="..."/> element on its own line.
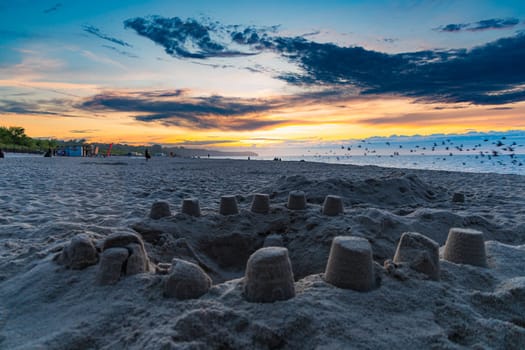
<point x="245" y="74"/>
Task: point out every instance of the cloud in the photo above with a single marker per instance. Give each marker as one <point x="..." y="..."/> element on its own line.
<point x="487" y="24"/>
<point x="36" y="108"/>
<point x="53" y="8"/>
<point x="180" y="108"/>
<point x="176" y="108"/>
<point x="199" y="39"/>
<point x="201" y="142"/>
<point x="96" y="32"/>
<point x="84" y="131"/>
<point x="493" y="73"/>
<point x="121" y="52"/>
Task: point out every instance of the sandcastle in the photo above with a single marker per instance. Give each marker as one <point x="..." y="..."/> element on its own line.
<point x="228" y="205"/>
<point x="419" y="252"/>
<point x="350" y="264"/>
<point x="296" y="200"/>
<point x="159" y="209"/>
<point x="186" y="281"/>
<point x="465" y="246"/>
<point x="268" y="276"/>
<point x="122" y="254"/>
<point x="260" y="203"/>
<point x="79" y="253"/>
<point x="190" y="206"/>
<point x="333" y="205"/>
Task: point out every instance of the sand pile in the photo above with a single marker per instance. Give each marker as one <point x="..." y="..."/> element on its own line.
<point x="180" y="283"/>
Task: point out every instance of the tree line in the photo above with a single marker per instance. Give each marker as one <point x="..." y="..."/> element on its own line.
<point x="14" y="139"/>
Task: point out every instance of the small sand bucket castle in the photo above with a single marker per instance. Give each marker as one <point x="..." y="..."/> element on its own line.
<point x="159" y="209"/>
<point x="465" y="246"/>
<point x="79" y="253"/>
<point x="296" y="200"/>
<point x="350" y="264"/>
<point x="260" y="203"/>
<point x="228" y="205"/>
<point x="186" y="281"/>
<point x="190" y="206"/>
<point x="122" y="254"/>
<point x="269" y="276"/>
<point x="419" y="252"/>
<point x="333" y="205"/>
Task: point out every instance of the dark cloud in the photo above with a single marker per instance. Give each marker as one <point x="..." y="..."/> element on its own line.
<point x="96" y="32"/>
<point x="202" y="142"/>
<point x="84" y="131"/>
<point x="495" y="23"/>
<point x="487" y="24"/>
<point x="53" y="8"/>
<point x="452" y="27"/>
<point x="184" y="38"/>
<point x="176" y="109"/>
<point x="121" y="52"/>
<point x="493" y="73"/>
<point x="33" y="108"/>
<point x="488" y="74"/>
<point x="199" y="39"/>
<point x="210" y="112"/>
<point x="389" y="40"/>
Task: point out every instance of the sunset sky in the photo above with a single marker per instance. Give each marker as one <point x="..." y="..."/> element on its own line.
<point x="260" y="74"/>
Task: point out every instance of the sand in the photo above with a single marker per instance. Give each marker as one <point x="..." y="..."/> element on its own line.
<point x="44" y="203"/>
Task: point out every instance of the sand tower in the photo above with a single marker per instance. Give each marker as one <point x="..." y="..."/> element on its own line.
<point x="260" y="203"/>
<point x="122" y="254"/>
<point x="79" y="253"/>
<point x="296" y="200"/>
<point x="465" y="246"/>
<point x="190" y="206"/>
<point x="159" y="209"/>
<point x="269" y="276"/>
<point x="350" y="264"/>
<point x="228" y="205"/>
<point x="333" y="205"/>
<point x="186" y="280"/>
<point x="419" y="252"/>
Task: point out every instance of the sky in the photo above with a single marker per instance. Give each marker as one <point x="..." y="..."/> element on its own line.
<point x="250" y="75"/>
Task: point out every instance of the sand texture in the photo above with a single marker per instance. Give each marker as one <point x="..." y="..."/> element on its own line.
<point x="57" y="293"/>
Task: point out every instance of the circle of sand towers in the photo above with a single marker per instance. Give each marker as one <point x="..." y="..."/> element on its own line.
<point x="419" y="252"/>
<point x="296" y="200"/>
<point x="465" y="246"/>
<point x="260" y="203"/>
<point x="186" y="281"/>
<point x="350" y="264"/>
<point x="269" y="276"/>
<point x="159" y="209"/>
<point x="190" y="206"/>
<point x="228" y="205"/>
<point x="333" y="205"/>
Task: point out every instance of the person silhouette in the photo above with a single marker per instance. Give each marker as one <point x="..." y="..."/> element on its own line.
<point x="1" y="153"/>
<point x="147" y="155"/>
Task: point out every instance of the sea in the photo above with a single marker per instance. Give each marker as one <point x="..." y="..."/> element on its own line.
<point x="464" y="163"/>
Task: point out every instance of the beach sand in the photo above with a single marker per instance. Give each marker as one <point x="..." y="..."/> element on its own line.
<point x="44" y="203"/>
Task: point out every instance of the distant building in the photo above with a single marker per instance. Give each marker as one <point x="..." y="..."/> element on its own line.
<point x="71" y="151"/>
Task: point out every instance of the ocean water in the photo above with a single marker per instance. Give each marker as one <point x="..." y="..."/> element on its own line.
<point x="503" y="164"/>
